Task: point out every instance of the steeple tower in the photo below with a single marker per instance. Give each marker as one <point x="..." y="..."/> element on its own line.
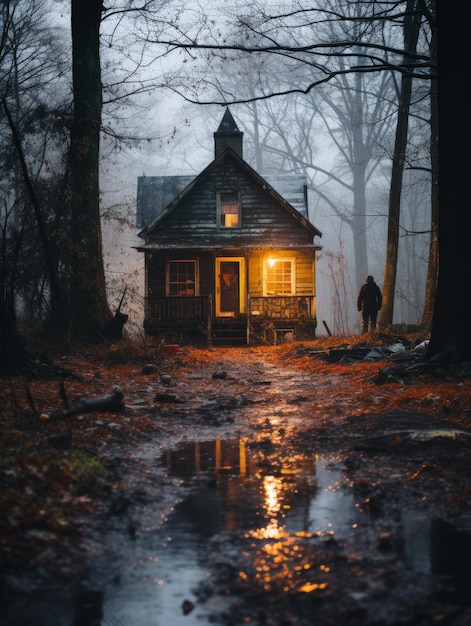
<point x="228" y="136"/>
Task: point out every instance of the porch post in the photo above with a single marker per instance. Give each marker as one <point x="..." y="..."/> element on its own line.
<point x="249" y="310"/>
<point x="209" y="322"/>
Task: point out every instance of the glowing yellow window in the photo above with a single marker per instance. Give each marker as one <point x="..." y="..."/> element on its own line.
<point x="229" y="210"/>
<point x="279" y="277"/>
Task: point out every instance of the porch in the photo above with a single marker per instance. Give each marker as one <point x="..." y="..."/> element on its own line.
<point x="272" y="319"/>
<point x="268" y="318"/>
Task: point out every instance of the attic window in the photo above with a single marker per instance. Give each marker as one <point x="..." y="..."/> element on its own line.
<point x="229" y="210"/>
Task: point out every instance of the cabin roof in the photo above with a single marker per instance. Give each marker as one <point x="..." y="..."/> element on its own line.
<point x="228" y="153"/>
<point x="154" y="193"/>
<point x="222" y="246"/>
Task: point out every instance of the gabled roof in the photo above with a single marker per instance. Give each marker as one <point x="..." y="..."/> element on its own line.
<point x="154" y="193"/>
<point x="262" y="182"/>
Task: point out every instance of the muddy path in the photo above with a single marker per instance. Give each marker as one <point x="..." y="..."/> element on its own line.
<point x="263" y="493"/>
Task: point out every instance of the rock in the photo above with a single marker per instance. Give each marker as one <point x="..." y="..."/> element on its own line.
<point x="219" y="376"/>
<point x="187" y="607"/>
<point x="167" y="398"/>
<point x="61" y="439"/>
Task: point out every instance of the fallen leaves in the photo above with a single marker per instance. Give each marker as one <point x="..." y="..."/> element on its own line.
<point x="51" y="477"/>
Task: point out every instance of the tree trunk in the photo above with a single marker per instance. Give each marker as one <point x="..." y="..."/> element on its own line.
<point x="451" y="328"/>
<point x="57" y="304"/>
<point x="88" y="293"/>
<point x="360" y="160"/>
<point x="432" y="269"/>
<point x="358" y="223"/>
<point x="411" y="34"/>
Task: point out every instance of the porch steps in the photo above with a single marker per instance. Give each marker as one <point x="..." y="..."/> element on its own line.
<point x="229" y="333"/>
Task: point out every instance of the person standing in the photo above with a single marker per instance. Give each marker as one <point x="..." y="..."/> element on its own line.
<point x="369" y="303"/>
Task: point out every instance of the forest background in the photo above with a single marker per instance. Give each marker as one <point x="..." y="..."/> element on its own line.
<point x="94" y="96"/>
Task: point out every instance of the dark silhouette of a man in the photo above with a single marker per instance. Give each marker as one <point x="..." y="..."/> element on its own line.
<point x="369" y="303"/>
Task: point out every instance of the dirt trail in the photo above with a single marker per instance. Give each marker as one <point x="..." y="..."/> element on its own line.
<point x="292" y="491"/>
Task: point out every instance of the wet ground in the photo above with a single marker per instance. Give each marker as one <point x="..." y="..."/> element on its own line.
<point x="268" y="494"/>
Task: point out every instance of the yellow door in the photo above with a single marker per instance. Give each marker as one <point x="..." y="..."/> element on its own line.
<point x="230" y="286"/>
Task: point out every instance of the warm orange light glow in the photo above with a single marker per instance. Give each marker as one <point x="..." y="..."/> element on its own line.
<point x="308" y="587"/>
<point x="271" y="262"/>
<point x="272" y="487"/>
<point x="282" y="560"/>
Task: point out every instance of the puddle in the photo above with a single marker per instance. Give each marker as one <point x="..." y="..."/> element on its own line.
<point x="281" y="501"/>
<point x="244" y="489"/>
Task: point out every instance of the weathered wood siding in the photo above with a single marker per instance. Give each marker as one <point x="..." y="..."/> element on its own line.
<point x="303" y="259"/>
<point x="263" y="219"/>
<point x="187" y="227"/>
<point x="304" y="270"/>
<point x="157" y="267"/>
<point x="155" y="275"/>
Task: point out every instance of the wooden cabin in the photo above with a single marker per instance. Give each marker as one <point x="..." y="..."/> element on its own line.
<point x="228" y="260"/>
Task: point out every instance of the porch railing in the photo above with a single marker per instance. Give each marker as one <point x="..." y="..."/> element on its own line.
<point x="282" y="307"/>
<point x="199" y="308"/>
<point x="181" y="308"/>
<point x="186" y="313"/>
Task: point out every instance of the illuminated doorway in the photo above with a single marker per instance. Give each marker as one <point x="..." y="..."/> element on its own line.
<point x="230" y="281"/>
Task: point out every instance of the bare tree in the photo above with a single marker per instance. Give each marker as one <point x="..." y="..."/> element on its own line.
<point x="89" y="308"/>
<point x="411" y="27"/>
<point x="433" y="267"/>
<point x="451" y="331"/>
<point x="30" y="64"/>
<point x="327" y="46"/>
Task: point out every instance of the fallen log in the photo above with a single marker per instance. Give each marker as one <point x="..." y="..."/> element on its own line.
<point x="38" y="370"/>
<point x="110" y="403"/>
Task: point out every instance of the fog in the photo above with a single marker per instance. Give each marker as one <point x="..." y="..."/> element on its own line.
<point x="188" y="151"/>
<point x="340" y="135"/>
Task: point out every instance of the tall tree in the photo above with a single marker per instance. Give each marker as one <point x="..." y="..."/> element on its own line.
<point x="79" y="211"/>
<point x="89" y="308"/>
<point x="451" y="330"/>
<point x="31" y="67"/>
<point x="432" y="268"/>
<point x="360" y="127"/>
<point x="364" y="43"/>
<point x="57" y="301"/>
<point x="411" y="28"/>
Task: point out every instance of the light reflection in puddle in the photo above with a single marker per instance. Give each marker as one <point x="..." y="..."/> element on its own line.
<point x="281" y="502"/>
<point x="262" y="507"/>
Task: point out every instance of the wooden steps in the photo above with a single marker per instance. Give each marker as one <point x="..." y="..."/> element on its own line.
<point x="230" y="332"/>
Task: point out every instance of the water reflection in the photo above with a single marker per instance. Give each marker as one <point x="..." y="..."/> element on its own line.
<point x="272" y="494"/>
<point x="247" y="486"/>
<point x="260" y="490"/>
<point x="282" y="501"/>
<point x="287" y="520"/>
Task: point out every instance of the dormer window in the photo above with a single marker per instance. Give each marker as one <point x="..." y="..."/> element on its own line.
<point x="229" y="209"/>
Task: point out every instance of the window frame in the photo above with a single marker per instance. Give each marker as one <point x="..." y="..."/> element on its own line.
<point x="221" y="212"/>
<point x="168" y="282"/>
<point x="267" y="268"/>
